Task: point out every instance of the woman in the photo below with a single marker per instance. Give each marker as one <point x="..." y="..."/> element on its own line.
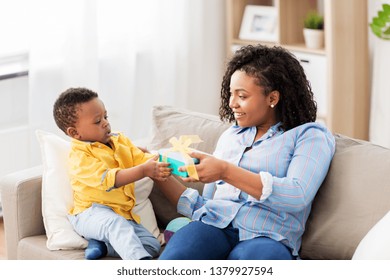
<point x="266" y="169"/>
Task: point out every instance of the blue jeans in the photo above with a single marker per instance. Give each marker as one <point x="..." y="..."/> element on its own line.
<point x="124" y="238"/>
<point x="199" y="241"/>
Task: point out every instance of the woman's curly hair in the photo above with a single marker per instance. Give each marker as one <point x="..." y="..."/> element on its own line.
<point x="66" y="105"/>
<point x="275" y="68"/>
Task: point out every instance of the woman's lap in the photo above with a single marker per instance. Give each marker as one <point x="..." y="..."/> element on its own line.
<point x="200" y="241"/>
<point x="260" y="248"/>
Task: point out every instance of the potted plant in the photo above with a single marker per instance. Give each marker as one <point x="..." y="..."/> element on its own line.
<point x="380" y="24"/>
<point x="313" y="31"/>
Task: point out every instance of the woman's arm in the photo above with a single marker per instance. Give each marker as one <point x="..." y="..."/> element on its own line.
<point x="171" y="188"/>
<point x="308" y="156"/>
<point x="211" y="169"/>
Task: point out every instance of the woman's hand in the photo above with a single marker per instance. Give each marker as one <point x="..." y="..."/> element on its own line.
<point x="209" y="168"/>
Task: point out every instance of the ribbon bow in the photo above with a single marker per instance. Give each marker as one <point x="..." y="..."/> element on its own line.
<point x="181" y="145"/>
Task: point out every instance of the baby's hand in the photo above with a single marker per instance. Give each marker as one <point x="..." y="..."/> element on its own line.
<point x="159" y="171"/>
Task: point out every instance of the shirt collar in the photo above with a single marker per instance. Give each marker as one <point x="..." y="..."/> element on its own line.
<point x="114" y="138"/>
<point x="250" y="133"/>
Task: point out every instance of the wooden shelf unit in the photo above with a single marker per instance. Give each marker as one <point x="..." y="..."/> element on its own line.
<point x="346" y="77"/>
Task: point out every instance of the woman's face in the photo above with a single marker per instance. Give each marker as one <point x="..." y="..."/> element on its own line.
<point x="251" y="107"/>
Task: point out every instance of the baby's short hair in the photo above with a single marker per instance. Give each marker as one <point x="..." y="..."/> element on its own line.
<point x="66" y="105"/>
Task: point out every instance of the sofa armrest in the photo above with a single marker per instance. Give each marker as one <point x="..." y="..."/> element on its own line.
<point x="22" y="210"/>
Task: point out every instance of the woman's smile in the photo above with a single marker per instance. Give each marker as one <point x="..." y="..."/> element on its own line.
<point x="238" y="115"/>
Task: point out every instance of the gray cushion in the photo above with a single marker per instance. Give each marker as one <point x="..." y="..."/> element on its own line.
<point x="354" y="196"/>
<point x="173" y="122"/>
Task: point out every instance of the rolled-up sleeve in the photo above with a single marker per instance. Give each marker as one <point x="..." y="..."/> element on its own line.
<point x="189" y="202"/>
<point x="80" y="170"/>
<point x="267" y="181"/>
<point x="309" y="165"/>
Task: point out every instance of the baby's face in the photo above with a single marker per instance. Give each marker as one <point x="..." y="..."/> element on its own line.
<point x="92" y="124"/>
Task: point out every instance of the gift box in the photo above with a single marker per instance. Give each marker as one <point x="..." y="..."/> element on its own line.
<point x="176" y="160"/>
<point x="178" y="156"/>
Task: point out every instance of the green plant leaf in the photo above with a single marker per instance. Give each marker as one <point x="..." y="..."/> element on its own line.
<point x="376" y="30"/>
<point x="383" y="15"/>
<point x="313" y="20"/>
<point x="387" y="31"/>
<point x="386" y="8"/>
<point x="380" y="24"/>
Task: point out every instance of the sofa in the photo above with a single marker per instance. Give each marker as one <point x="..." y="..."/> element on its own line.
<point x="348" y="218"/>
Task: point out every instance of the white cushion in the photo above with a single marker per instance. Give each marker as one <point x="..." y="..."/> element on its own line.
<point x="57" y="196"/>
<point x="57" y="193"/>
<point x="144" y="207"/>
<point x="376" y="243"/>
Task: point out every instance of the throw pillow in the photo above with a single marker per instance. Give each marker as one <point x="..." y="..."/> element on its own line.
<point x="353" y="198"/>
<point x="173" y="122"/>
<point x="170" y="122"/>
<point x="143" y="206"/>
<point x="57" y="196"/>
<point x="375" y="245"/>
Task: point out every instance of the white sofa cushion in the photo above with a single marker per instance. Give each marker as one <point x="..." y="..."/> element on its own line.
<point x="376" y="243"/>
<point x="57" y="196"/>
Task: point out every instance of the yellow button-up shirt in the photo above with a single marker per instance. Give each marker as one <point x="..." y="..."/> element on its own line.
<point x="92" y="168"/>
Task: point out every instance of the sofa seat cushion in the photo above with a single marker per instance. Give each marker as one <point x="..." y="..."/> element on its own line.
<point x="34" y="248"/>
<point x="353" y="198"/>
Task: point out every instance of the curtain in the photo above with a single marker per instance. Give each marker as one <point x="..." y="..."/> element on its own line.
<point x="380" y="95"/>
<point x="380" y="90"/>
<point x="135" y="54"/>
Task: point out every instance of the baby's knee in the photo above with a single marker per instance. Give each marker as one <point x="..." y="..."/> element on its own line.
<point x="152" y="246"/>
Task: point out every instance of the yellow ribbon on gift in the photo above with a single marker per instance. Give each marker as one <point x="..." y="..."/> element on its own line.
<point x="182" y="145"/>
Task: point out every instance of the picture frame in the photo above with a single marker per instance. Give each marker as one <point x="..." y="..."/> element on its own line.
<point x="259" y="23"/>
